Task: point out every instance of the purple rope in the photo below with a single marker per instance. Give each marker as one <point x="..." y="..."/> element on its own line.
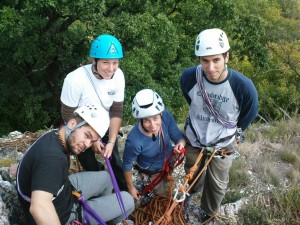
<point x="116" y="187"/>
<point x="224" y="122"/>
<point x="87" y="210"/>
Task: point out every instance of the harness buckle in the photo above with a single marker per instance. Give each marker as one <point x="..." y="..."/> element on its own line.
<point x="239" y="135"/>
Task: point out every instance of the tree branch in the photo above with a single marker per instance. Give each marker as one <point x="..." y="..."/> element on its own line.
<point x="281" y="110"/>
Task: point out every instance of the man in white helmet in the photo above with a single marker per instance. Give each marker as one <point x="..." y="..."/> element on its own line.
<point x="44" y="185"/>
<point x="221" y="102"/>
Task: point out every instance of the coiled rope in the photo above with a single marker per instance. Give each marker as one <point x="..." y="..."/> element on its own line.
<point x="167" y="209"/>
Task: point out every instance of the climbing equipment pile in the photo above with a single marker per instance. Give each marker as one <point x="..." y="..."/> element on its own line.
<point x="167" y="210"/>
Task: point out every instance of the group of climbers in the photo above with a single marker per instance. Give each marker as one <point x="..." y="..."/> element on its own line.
<point x="221" y="102"/>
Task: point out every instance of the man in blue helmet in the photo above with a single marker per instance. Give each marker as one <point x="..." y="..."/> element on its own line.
<point x="101" y="82"/>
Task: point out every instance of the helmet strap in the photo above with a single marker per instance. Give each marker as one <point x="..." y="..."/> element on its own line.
<point x="153" y="135"/>
<point x="142" y="125"/>
<point x="95" y="71"/>
<point x="225" y="63"/>
<point x="70" y="130"/>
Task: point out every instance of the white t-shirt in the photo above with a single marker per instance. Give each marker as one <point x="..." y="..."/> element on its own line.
<point x="78" y="89"/>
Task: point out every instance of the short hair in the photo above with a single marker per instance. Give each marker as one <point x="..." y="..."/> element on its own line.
<point x="79" y="119"/>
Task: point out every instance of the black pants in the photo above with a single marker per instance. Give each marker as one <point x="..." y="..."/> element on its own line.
<point x="89" y="162"/>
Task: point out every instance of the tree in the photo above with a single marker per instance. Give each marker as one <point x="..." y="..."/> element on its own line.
<point x="42" y="41"/>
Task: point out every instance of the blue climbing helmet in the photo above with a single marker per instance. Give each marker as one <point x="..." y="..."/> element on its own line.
<point x="106" y="47"/>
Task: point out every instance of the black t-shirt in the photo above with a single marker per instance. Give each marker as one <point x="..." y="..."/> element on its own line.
<point x="45" y="167"/>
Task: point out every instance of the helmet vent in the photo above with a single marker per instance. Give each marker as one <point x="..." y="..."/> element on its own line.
<point x="112" y="49"/>
<point x="211" y="42"/>
<point x="146" y="106"/>
<point x="106" y="47"/>
<point x="94" y="115"/>
<point x="147" y="103"/>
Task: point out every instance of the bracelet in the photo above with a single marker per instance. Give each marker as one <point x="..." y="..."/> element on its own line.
<point x="110" y="142"/>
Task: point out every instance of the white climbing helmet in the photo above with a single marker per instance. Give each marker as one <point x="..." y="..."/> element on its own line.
<point x="211" y="42"/>
<point x="96" y="116"/>
<point x="147" y="103"/>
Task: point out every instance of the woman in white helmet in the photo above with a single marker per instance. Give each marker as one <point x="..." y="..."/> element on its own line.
<point x="44" y="185"/>
<point x="149" y="143"/>
<point x="221" y="100"/>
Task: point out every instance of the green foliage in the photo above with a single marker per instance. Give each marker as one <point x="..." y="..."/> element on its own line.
<point x="42" y="41"/>
<point x="233" y="196"/>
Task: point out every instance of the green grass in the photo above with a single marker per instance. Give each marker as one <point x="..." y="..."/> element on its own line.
<point x="279" y="154"/>
<point x="6" y="162"/>
<point x="238" y="175"/>
<point x="238" y="179"/>
<point x="273" y="209"/>
<point x="275" y="131"/>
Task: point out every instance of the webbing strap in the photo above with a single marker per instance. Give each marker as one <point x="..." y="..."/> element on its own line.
<point x="116" y="187"/>
<point x="87" y="210"/>
<point x="169" y="166"/>
<point x="24" y="196"/>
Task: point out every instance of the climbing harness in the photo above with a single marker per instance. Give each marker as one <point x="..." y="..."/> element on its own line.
<point x="169" y="166"/>
<point x="153" y="180"/>
<point x="88" y="211"/>
<point x="157" y="204"/>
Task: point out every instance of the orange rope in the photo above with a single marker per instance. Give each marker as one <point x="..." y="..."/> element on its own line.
<point x="202" y="170"/>
<point x="193" y="169"/>
<point x="164" y="210"/>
